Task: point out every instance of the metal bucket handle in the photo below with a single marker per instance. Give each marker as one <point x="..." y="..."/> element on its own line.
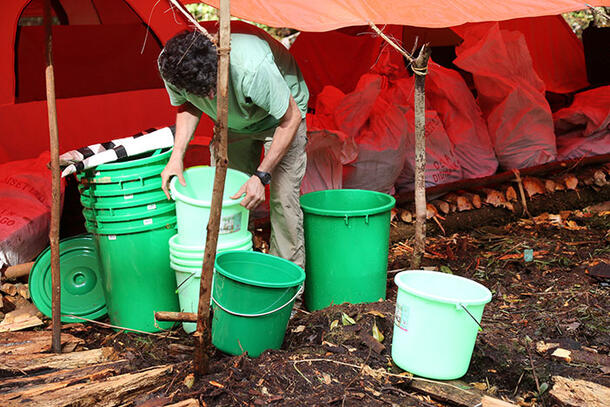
<point x="459" y="304"/>
<point x="299" y="291"/>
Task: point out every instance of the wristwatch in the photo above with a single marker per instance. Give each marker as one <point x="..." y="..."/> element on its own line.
<point x="265" y="177"/>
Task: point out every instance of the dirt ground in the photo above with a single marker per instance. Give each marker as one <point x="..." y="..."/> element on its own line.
<point x="331" y="357"/>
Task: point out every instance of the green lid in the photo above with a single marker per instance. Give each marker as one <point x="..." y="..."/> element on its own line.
<point x="81" y="285"/>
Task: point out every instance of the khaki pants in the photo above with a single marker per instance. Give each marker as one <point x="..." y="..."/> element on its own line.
<point x="244" y="151"/>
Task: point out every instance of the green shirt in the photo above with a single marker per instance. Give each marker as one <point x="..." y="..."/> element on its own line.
<point x="262" y="76"/>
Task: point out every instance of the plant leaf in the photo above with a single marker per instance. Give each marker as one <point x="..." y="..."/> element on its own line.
<point x="446" y="270"/>
<point x="346" y="319"/>
<point x="334" y="324"/>
<point x="377" y="333"/>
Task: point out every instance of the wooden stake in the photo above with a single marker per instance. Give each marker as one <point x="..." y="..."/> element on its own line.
<point x="420" y="68"/>
<point x="55" y="183"/>
<point x="203" y="336"/>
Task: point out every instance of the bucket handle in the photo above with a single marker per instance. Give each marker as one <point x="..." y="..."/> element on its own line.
<point x="469" y="314"/>
<point x="299" y="291"/>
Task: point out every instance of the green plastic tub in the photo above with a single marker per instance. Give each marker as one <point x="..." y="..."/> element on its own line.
<point x="129" y="214"/>
<point x="128" y="168"/>
<point x="194" y="200"/>
<point x="436" y="323"/>
<point x="137" y="278"/>
<point x="133" y="226"/>
<point x="252" y="298"/>
<point x="196" y="252"/>
<point x="188" y="276"/>
<point x="134" y="186"/>
<point x="346" y="245"/>
<point x="121" y="201"/>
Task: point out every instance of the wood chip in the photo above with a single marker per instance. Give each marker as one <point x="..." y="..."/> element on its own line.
<point x="562" y="354"/>
<point x="578" y="393"/>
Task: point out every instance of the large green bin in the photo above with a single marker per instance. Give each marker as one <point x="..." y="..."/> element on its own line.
<point x="137" y="278"/>
<point x="346" y="244"/>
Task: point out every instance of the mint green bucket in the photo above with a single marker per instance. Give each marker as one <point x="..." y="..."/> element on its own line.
<point x="193" y="203"/>
<point x="436" y="323"/>
<point x="252" y="298"/>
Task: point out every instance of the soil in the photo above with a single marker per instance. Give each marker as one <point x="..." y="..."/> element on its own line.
<point x="328" y="360"/>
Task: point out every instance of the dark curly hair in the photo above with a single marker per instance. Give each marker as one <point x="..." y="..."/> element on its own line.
<point x="188" y="62"/>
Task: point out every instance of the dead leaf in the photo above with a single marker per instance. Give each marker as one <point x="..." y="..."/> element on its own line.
<point x="326" y="378"/>
<point x="376" y="313"/>
<point x="479" y="386"/>
<point x="299" y="328"/>
<point x="334" y="324"/>
<point x="377" y="333"/>
<point x="346" y="319"/>
<point x="377" y="374"/>
<point x="216" y="384"/>
<point x="189" y="380"/>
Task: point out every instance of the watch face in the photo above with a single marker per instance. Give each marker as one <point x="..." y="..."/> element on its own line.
<point x="265" y="177"/>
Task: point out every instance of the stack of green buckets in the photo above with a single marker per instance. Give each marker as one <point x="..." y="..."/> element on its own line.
<point x="132" y="221"/>
<point x="186" y="248"/>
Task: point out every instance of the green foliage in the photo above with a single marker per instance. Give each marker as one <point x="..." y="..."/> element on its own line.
<point x="203" y="12"/>
<point x="579" y="20"/>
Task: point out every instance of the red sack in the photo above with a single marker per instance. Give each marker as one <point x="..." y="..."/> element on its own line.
<point x="511" y="96"/>
<point x="583" y="129"/>
<point x="442" y="165"/>
<point x="25" y="209"/>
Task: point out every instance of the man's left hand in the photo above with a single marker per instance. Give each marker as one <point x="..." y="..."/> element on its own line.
<point x="255" y="193"/>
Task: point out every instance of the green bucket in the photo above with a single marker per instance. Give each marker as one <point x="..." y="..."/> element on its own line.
<point x="134" y="186"/>
<point x="436" y="323"/>
<point x="188" y="276"/>
<point x="252" y="298"/>
<point x="196" y="252"/>
<point x="167" y="220"/>
<point x="128" y="214"/>
<point x="120" y="201"/>
<point x="127" y="168"/>
<point x="193" y="203"/>
<point x="137" y="278"/>
<point x="346" y="245"/>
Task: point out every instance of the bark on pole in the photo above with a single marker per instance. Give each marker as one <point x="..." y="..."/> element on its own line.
<point x="420" y="68"/>
<point x="203" y="335"/>
<point x="55" y="183"/>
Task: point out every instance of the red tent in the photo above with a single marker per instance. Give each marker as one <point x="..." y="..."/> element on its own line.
<point x="104" y="53"/>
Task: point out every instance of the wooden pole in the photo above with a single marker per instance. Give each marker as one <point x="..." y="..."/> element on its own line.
<point x="420" y="68"/>
<point x="55" y="183"/>
<point x="203" y="336"/>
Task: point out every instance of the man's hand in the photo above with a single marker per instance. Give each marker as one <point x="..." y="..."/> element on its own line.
<point x="173" y="167"/>
<point x="255" y="193"/>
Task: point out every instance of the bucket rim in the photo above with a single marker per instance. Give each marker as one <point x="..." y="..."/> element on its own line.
<point x="257" y="283"/>
<point x="201" y="203"/>
<point x="478" y="301"/>
<point x="342" y="213"/>
<point x="184" y="248"/>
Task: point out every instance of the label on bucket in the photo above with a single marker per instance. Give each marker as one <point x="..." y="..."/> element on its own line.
<point x="111" y="237"/>
<point x="147" y="221"/>
<point x="151" y="207"/>
<point x="130" y="196"/>
<point x="401" y="318"/>
<point x="102" y="180"/>
<point x="230" y="224"/>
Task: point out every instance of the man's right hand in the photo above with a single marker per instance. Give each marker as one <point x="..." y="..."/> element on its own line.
<point x="173" y="167"/>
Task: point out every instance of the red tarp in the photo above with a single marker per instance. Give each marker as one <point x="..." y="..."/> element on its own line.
<point x="129" y="99"/>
